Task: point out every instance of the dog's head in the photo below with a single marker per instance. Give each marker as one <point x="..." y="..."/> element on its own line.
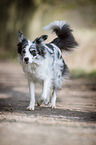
<point x="31" y="50"/>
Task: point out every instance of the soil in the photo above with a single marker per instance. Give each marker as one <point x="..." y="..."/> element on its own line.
<point x="73" y="122"/>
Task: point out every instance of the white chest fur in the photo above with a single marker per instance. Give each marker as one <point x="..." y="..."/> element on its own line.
<point x="39" y="70"/>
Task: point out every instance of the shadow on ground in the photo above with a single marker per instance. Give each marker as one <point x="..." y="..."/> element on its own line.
<point x="19" y="102"/>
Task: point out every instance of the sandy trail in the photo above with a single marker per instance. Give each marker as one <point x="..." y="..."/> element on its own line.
<point x="73" y="122"/>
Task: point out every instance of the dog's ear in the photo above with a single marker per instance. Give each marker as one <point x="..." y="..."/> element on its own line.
<point x="23" y="42"/>
<point x="20" y="36"/>
<point x="44" y="37"/>
<point x="41" y="39"/>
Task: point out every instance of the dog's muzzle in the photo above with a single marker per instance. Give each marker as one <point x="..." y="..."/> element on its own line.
<point x="26" y="59"/>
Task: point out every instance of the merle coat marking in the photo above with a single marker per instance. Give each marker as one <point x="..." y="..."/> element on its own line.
<point x="43" y="63"/>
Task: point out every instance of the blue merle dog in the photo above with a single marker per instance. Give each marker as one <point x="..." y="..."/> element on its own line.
<point x="43" y="63"/>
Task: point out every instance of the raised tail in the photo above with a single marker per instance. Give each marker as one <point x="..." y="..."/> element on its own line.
<point x="65" y="40"/>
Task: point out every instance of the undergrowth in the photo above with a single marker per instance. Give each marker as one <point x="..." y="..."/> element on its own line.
<point x="79" y="73"/>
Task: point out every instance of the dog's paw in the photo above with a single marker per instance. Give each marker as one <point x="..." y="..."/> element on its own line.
<point x="30" y="108"/>
<point x="40" y="101"/>
<point x="52" y="106"/>
<point x="46" y="102"/>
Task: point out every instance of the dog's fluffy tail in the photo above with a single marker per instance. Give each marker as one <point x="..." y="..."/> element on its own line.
<point x="65" y="40"/>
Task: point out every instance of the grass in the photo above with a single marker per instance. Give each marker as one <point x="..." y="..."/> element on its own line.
<point x="79" y="73"/>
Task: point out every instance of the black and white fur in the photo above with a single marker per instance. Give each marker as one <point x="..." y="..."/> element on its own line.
<point x="43" y="63"/>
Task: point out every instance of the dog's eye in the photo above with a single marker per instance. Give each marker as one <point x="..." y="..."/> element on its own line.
<point x="33" y="52"/>
<point x="23" y="51"/>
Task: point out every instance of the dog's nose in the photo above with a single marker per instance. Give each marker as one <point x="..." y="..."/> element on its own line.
<point x="26" y="59"/>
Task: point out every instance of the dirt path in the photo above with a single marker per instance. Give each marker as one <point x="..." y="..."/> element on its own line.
<point x="73" y="122"/>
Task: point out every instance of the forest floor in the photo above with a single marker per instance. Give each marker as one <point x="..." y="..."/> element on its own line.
<point x="73" y="122"/>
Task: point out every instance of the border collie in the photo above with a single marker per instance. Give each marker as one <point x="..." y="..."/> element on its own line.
<point x="44" y="63"/>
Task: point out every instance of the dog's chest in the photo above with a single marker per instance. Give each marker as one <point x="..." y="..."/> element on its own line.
<point x="31" y="71"/>
<point x="36" y="72"/>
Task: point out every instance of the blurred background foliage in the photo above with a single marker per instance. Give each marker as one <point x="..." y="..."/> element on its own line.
<point x="30" y="16"/>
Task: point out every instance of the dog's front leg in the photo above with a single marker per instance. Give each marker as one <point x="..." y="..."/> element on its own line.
<point x="53" y="100"/>
<point x="45" y="94"/>
<point x="32" y="95"/>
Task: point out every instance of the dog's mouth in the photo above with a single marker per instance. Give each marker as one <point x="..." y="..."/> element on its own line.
<point x="26" y="62"/>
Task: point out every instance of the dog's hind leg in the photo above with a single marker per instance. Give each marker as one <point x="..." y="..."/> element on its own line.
<point x="45" y="94"/>
<point x="53" y="100"/>
<point x="32" y="95"/>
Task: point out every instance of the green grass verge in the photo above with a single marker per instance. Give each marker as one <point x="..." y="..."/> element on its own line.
<point x="78" y="73"/>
